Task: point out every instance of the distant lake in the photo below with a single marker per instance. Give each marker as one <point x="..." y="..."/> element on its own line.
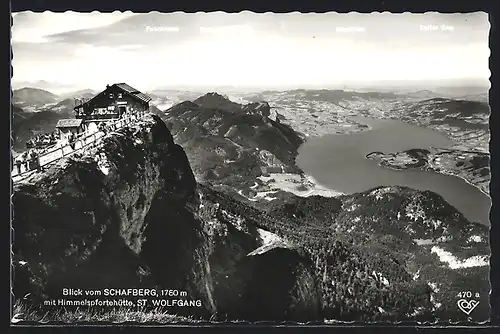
<point x="338" y="162"/>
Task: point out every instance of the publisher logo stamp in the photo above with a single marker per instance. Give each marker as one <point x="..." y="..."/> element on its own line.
<point x="467" y="306"/>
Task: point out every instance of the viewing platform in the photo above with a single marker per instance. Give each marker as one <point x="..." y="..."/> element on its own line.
<point x="37" y="159"/>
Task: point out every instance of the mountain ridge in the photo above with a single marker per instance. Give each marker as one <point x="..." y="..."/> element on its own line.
<point x="32" y="96"/>
<point x="221" y="136"/>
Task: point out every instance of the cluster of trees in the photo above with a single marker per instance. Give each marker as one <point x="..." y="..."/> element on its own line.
<point x="356" y="282"/>
<point x="364" y="274"/>
<point x="359" y="285"/>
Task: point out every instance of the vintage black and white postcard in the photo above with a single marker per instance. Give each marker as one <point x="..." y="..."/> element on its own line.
<point x="215" y="167"/>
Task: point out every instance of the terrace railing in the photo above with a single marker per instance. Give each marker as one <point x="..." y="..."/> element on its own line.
<point x="109" y="116"/>
<point x="56" y="152"/>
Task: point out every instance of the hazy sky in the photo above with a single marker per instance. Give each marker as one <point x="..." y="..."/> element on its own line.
<point x="268" y="50"/>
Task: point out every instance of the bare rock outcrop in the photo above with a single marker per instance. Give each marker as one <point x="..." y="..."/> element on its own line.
<point x="130" y="214"/>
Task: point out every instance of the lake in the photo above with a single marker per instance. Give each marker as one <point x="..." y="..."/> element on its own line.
<point x="338" y="162"/>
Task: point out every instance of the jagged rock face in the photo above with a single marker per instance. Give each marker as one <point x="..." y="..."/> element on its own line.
<point x="277" y="116"/>
<point x="130" y="214"/>
<point x="230" y="239"/>
<point x="177" y="252"/>
<point x="261" y="108"/>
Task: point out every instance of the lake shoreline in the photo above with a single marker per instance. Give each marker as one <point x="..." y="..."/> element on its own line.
<point x="381" y="164"/>
<point x="369" y="127"/>
<point x="396" y="161"/>
<point x="335" y="162"/>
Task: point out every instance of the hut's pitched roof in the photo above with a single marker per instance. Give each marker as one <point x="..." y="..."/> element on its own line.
<point x="125" y="88"/>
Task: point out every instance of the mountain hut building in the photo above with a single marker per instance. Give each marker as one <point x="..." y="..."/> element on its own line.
<point x="114" y="102"/>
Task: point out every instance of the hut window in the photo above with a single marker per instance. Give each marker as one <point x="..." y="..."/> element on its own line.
<point x="110" y="95"/>
<point x="120" y="95"/>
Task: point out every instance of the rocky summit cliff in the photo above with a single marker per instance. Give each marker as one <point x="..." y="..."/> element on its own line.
<point x="129" y="214"/>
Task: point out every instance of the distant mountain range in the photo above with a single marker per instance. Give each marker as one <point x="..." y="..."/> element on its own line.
<point x="54" y="87"/>
<point x="39" y="98"/>
<point x="60" y="106"/>
<point x="83" y="93"/>
<point x="338" y="94"/>
<point x="455" y="113"/>
<point x="32" y="97"/>
<point x="451" y="94"/>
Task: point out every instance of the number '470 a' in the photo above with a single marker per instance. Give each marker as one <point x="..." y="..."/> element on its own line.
<point x="467" y="294"/>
